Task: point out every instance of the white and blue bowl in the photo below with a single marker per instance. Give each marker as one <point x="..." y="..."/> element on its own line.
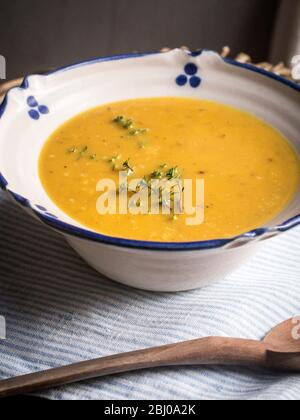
<point x="29" y="114"/>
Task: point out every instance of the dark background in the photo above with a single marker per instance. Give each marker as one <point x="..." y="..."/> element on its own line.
<point x="38" y="34"/>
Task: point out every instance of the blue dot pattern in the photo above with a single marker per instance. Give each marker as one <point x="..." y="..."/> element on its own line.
<point x="31" y="101"/>
<point x="43" y="109"/>
<point x="196" y="53"/>
<point x="191" y="69"/>
<point x="36" y="109"/>
<point x="34" y="114"/>
<point x="181" y="80"/>
<point x="189" y="76"/>
<point x="195" y="81"/>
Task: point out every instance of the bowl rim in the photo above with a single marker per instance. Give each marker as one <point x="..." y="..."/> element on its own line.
<point x="84" y="233"/>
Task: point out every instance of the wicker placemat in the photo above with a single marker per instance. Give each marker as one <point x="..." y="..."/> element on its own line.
<point x="281" y="69"/>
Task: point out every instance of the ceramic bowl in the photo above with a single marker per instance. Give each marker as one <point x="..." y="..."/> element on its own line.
<point x="29" y="114"/>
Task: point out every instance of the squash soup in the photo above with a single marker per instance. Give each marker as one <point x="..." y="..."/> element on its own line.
<point x="250" y="171"/>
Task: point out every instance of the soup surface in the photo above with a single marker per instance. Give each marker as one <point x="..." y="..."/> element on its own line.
<point x="249" y="169"/>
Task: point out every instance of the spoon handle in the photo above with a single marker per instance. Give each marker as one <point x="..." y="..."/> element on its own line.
<point x="202" y="351"/>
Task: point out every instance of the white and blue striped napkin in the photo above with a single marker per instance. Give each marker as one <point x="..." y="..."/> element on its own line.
<point x="59" y="311"/>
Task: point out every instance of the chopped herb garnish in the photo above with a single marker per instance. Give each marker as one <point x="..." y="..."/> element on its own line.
<point x="82" y="152"/>
<point x="128" y="124"/>
<point x="127" y="167"/>
<point x="119" y="119"/>
<point x="113" y="159"/>
<point x="123" y="122"/>
<point x="156" y="174"/>
<point x="173" y="173"/>
<point x="169" y="196"/>
<point x="137" y="131"/>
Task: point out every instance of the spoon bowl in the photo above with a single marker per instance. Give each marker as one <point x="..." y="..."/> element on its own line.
<point x="285" y="337"/>
<point x="283" y="346"/>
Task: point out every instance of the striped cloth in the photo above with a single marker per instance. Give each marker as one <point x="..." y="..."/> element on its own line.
<point x="60" y="311"/>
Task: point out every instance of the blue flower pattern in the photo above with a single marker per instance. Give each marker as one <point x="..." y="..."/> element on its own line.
<point x="190" y="76"/>
<point x="36" y="110"/>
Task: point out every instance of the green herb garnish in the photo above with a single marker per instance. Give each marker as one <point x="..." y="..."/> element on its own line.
<point x="137" y="131"/>
<point x="82" y="152"/>
<point x="168" y="195"/>
<point x="157" y="174"/>
<point x="128" y="124"/>
<point x="126" y="166"/>
<point x="113" y="161"/>
<point x="173" y="173"/>
<point x="119" y="119"/>
<point x="123" y="122"/>
<point x="114" y="158"/>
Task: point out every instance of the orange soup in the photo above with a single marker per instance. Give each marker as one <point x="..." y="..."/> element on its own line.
<point x="250" y="170"/>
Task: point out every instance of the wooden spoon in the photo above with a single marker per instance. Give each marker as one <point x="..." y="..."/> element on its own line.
<point x="279" y="350"/>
